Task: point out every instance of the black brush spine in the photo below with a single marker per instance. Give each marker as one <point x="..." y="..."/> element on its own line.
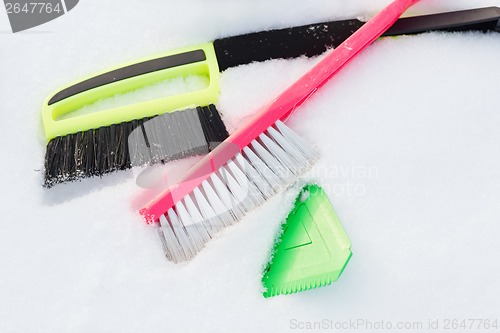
<point x="157" y="139"/>
<point x="308" y="40"/>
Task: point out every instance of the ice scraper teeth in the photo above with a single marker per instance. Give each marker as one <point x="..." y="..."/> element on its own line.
<point x="258" y="160"/>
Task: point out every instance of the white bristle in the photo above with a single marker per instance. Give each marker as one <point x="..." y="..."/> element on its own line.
<point x="195" y="214"/>
<point x="240" y="193"/>
<point x="280" y="170"/>
<point x="294" y="153"/>
<point x="197" y="232"/>
<point x="217" y="205"/>
<point x="297" y="142"/>
<point x="226" y="197"/>
<point x="173" y="248"/>
<point x="211" y="219"/>
<point x="187" y="245"/>
<point x="246" y="183"/>
<point x="263" y="168"/>
<point x="255" y="176"/>
<point x="272" y="179"/>
<point x="280" y="154"/>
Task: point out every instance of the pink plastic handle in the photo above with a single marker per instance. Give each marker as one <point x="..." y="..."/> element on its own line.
<point x="307" y="85"/>
<point x="279" y="108"/>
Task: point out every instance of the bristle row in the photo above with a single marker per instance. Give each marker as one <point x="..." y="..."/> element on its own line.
<point x="265" y="167"/>
<point x="213" y="127"/>
<point x="141" y="142"/>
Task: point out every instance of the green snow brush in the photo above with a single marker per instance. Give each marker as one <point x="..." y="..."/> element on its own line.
<point x="312" y="250"/>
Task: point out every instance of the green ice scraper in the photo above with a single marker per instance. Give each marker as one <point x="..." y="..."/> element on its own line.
<point x="313" y="249"/>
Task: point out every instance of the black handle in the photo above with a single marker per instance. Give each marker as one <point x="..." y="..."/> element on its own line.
<point x="480" y="19"/>
<point x="314" y="39"/>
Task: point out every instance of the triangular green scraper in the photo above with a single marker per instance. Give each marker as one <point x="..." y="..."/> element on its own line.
<point x="312" y="250"/>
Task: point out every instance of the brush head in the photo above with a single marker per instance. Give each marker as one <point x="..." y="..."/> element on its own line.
<point x="265" y="137"/>
<point x="85" y="144"/>
<point x="312" y="249"/>
<point x="247" y="179"/>
<point x="138" y="143"/>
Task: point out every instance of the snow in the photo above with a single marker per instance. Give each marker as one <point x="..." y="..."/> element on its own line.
<point x="409" y="139"/>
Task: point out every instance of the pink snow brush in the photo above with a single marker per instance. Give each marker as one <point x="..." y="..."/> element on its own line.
<point x="255" y="162"/>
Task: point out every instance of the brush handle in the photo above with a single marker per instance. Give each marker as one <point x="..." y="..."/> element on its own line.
<point x="278" y="109"/>
<point x="334" y="61"/>
<point x="58" y="115"/>
<point x="478" y="19"/>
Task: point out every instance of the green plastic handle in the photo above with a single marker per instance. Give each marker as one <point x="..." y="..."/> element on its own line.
<point x="202" y="62"/>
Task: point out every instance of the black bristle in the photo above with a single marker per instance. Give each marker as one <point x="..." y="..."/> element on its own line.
<point x="111" y="148"/>
<point x="96" y="151"/>
<point x="100" y="148"/>
<point x="69" y="157"/>
<point x="159" y="126"/>
<point x="79" y="154"/>
<point x="178" y="137"/>
<point x="123" y="156"/>
<point x="128" y="128"/>
<point x="217" y="124"/>
<point x="143" y="150"/>
<point x="213" y="127"/>
<point x="88" y="143"/>
<point x="207" y="131"/>
<point x="166" y="128"/>
<point x="50" y="162"/>
<point x="132" y="143"/>
<point x="140" y="142"/>
<point x="105" y="142"/>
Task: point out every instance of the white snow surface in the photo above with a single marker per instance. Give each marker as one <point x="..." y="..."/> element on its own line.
<point x="409" y="137"/>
